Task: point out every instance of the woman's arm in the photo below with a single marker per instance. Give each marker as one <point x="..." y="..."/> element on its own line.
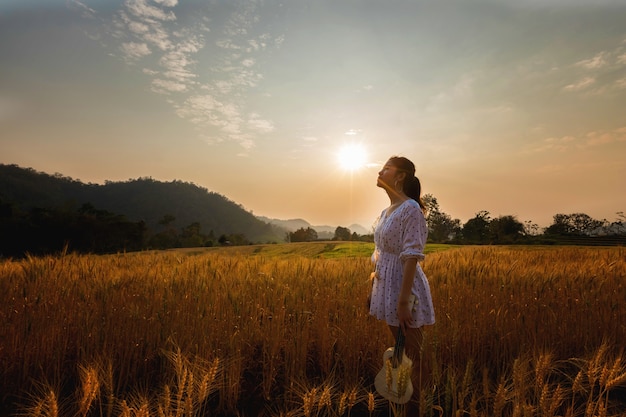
<point x="409" y="266"/>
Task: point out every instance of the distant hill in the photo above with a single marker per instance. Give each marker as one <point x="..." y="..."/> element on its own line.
<point x="323" y="232"/>
<point x="142" y="199"/>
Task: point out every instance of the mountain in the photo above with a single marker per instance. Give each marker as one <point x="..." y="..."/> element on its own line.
<point x="323" y="232"/>
<point x="142" y="199"/>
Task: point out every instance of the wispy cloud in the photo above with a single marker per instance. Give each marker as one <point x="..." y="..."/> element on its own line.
<point x="597" y="74"/>
<point x="580" y="84"/>
<point x="596" y="62"/>
<point x="85" y="11"/>
<point x="581" y="143"/>
<point x="206" y="69"/>
<point x="598" y="138"/>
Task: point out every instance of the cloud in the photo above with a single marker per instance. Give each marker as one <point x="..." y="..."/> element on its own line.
<point x="256" y="123"/>
<point x="143" y="10"/>
<point x="597" y="62"/>
<point x="167" y="86"/>
<point x="582" y="143"/>
<point x="208" y="88"/>
<point x="580" y="84"/>
<point x="85" y="11"/>
<point x="600" y="138"/>
<point x="597" y="74"/>
<point x="167" y="3"/>
<point x="177" y="62"/>
<point x="135" y="50"/>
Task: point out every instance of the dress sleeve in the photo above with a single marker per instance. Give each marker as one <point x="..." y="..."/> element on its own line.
<point x="414" y="233"/>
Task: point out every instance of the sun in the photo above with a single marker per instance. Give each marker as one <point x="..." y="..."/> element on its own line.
<point x="352" y="156"/>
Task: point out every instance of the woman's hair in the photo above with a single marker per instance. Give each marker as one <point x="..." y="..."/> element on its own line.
<point x="411" y="185"/>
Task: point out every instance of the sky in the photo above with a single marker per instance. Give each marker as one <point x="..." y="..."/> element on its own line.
<point x="515" y="107"/>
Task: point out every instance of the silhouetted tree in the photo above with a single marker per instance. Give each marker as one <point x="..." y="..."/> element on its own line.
<point x="167" y="220"/>
<point x="342" y="233"/>
<point x="441" y="226"/>
<point x="577" y="224"/>
<point x="476" y="229"/>
<point x="531" y="228"/>
<point x="303" y="235"/>
<point x="505" y="229"/>
<point x="191" y="237"/>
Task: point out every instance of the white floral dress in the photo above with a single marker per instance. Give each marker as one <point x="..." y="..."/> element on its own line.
<point x="399" y="236"/>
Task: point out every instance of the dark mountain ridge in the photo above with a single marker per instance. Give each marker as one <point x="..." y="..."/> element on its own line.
<point x="142" y="199"/>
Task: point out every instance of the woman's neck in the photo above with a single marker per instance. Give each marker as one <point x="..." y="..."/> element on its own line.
<point x="396" y="198"/>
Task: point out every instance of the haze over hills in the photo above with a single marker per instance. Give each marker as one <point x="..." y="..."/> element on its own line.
<point x="323" y="231"/>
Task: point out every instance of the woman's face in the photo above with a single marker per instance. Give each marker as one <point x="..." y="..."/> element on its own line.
<point x="388" y="175"/>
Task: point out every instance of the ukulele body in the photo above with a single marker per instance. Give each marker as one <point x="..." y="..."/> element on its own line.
<point x="394" y="382"/>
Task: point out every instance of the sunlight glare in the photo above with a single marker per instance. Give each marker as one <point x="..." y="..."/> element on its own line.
<point x="352" y="157"/>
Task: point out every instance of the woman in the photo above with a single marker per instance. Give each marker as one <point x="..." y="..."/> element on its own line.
<point x="400" y="290"/>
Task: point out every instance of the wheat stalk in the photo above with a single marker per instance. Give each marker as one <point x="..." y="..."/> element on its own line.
<point x="126" y="411"/>
<point x="542" y="369"/>
<point x="208" y="381"/>
<point x="52" y="404"/>
<point x="343" y="402"/>
<point x="143" y="410"/>
<point x="90" y="387"/>
<point x="500" y="399"/>
<point x="325" y="398"/>
<point x="556" y="401"/>
<point x="371" y="403"/>
<point x="617" y="375"/>
<point x="309" y="400"/>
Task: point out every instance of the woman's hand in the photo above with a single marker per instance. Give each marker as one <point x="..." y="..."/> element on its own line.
<point x="404" y="314"/>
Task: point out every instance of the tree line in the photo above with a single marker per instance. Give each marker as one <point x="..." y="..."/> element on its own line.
<point x="38" y="215"/>
<point x="483" y="229"/>
<point x="41" y="231"/>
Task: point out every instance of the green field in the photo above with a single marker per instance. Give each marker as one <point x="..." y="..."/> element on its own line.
<point x="307" y="249"/>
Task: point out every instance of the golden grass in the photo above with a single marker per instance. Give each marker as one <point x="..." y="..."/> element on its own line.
<point x="283" y="330"/>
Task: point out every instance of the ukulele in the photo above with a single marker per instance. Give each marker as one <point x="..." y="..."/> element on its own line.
<point x="393" y="381"/>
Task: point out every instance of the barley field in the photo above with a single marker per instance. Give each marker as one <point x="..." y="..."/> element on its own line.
<point x="283" y="330"/>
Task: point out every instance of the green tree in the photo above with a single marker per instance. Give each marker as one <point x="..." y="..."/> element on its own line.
<point x="342" y="233"/>
<point x="303" y="235"/>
